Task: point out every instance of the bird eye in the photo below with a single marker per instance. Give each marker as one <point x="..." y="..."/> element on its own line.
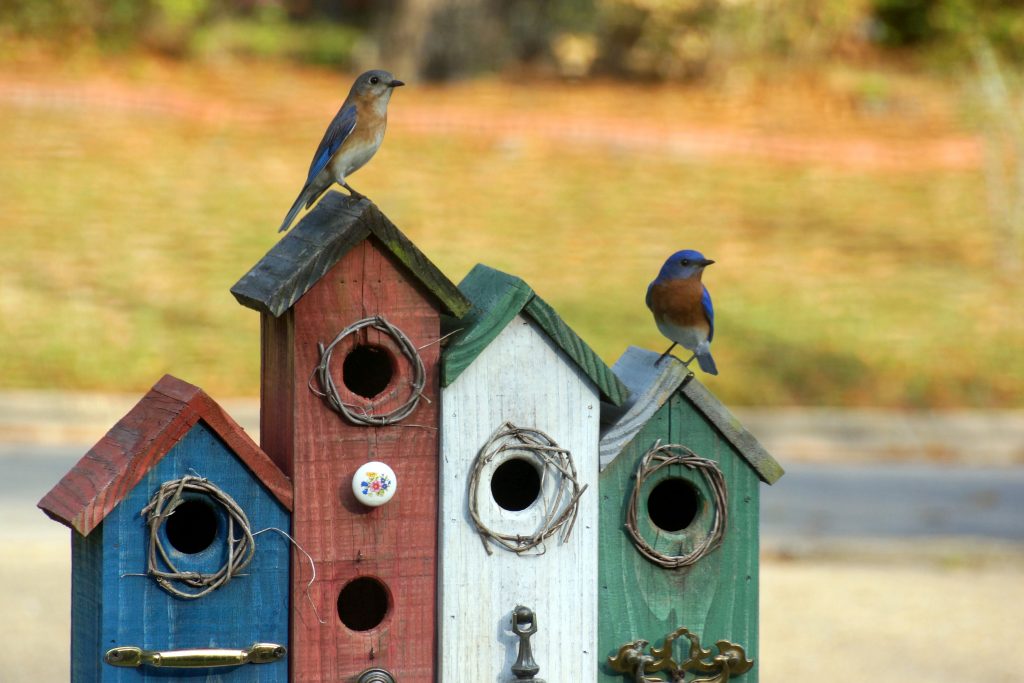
<point x="374" y="80"/>
<point x="685" y="262"/>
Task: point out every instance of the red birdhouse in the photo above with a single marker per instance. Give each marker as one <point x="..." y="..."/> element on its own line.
<point x="351" y="316"/>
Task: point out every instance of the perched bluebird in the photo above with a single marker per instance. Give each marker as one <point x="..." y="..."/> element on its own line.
<point x="352" y="138"/>
<point x="682" y="306"/>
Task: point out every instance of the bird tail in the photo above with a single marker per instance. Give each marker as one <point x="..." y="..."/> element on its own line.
<point x="308" y="195"/>
<point x="704" y="359"/>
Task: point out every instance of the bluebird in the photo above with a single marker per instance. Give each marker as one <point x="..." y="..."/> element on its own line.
<point x="350" y="141"/>
<point x="682" y="306"/>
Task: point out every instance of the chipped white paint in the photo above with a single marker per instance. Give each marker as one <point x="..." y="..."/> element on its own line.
<point x="522" y="378"/>
<point x="650" y="385"/>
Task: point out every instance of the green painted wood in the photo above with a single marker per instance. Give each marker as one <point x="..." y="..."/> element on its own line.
<point x="717" y="598"/>
<point x="612" y="390"/>
<point x="497" y="297"/>
<point x="319" y="241"/>
<point x="761" y="460"/>
<point x="650" y="384"/>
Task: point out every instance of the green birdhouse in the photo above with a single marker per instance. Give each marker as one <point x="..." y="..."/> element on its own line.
<point x="678" y="574"/>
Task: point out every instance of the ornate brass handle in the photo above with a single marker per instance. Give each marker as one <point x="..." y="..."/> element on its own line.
<point x="258" y="653"/>
<point x="631" y="659"/>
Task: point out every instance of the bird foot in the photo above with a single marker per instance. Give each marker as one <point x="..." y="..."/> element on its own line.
<point x="356" y="195"/>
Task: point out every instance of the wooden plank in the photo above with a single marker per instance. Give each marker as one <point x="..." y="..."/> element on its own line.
<point x="612" y="390"/>
<point x="429" y="275"/>
<point x="87" y="602"/>
<point x="753" y="452"/>
<point x="312" y="248"/>
<point x="135" y="611"/>
<point x="522" y="376"/>
<point x="105" y="474"/>
<point x="717" y="598"/>
<point x="650" y="386"/>
<point x="497" y="298"/>
<point x="396" y="543"/>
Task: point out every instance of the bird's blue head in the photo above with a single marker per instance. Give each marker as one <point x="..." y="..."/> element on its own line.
<point x="375" y="84"/>
<point x="684" y="264"/>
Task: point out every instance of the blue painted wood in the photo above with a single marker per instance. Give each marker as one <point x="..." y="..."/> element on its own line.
<point x="134" y="610"/>
<point x="86" y="604"/>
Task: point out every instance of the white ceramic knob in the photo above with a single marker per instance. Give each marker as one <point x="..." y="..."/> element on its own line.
<point x="374" y="484"/>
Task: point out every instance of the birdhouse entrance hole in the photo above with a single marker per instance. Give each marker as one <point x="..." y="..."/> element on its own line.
<point x="192" y="527"/>
<point x="367" y="370"/>
<point x="515" y="484"/>
<point x="363" y="603"/>
<point x="673" y="504"/>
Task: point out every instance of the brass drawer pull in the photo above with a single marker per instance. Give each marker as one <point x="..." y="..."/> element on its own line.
<point x="258" y="653"/>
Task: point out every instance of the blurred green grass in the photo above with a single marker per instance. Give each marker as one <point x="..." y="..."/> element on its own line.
<point x="124" y="229"/>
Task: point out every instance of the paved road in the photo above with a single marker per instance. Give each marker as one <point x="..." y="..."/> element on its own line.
<point x="811" y="503"/>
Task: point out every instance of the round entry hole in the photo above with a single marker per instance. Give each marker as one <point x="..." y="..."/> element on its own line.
<point x="515" y="484"/>
<point x="673" y="504"/>
<point x="367" y="370"/>
<point x="192" y="526"/>
<point x="363" y="603"/>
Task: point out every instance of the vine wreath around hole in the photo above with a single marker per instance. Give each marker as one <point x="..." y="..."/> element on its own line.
<point x="358" y="415"/>
<point x="161" y="567"/>
<point x="559" y="514"/>
<point x="658" y="457"/>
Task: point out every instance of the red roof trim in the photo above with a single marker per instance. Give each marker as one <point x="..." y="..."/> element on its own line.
<point x="105" y="475"/>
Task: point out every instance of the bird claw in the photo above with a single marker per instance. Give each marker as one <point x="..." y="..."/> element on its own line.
<point x="352" y="192"/>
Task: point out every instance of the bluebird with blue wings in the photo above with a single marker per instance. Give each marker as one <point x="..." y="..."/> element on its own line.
<point x="353" y="137"/>
<point x="682" y="306"/>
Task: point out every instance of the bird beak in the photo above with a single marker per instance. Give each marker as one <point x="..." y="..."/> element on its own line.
<point x="395" y="83"/>
<point x="706" y="262"/>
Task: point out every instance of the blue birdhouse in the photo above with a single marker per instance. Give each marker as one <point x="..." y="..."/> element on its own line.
<point x="173" y="575"/>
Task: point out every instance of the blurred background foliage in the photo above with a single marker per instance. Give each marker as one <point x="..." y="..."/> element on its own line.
<point x="856" y="167"/>
<point x="442" y="39"/>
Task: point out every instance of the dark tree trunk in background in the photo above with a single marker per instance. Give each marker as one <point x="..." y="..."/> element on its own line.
<point x="444" y="39"/>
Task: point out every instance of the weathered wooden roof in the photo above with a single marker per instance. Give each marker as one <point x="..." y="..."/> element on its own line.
<point x="119" y="461"/>
<point x="497" y="298"/>
<point x="650" y="387"/>
<point x="321" y="238"/>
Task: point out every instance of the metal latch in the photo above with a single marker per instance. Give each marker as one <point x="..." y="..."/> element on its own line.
<point x="258" y="653"/>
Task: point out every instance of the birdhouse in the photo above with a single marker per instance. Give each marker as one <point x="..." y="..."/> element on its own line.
<point x="519" y="502"/>
<point x="351" y="323"/>
<point x="172" y="574"/>
<point x="679" y="530"/>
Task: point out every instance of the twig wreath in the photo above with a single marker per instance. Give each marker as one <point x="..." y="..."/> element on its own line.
<point x="357" y="414"/>
<point x="559" y="513"/>
<point x="160" y="566"/>
<point x="661" y="456"/>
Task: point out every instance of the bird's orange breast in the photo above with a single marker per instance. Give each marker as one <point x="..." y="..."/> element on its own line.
<point x="679" y="302"/>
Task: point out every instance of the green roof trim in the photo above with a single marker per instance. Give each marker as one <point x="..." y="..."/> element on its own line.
<point x="497" y="298"/>
<point x="335" y="225"/>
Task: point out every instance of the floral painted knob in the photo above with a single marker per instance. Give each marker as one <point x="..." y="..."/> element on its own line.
<point x="374" y="484"/>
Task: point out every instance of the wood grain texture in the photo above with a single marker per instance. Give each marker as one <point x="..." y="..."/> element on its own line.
<point x="522" y="376"/>
<point x="496" y="298"/>
<point x="650" y="386"/>
<point x="717" y="598"/>
<point x="395" y="543"/>
<point x="336" y="225"/>
<point x="104" y="475"/>
<point x="113" y="606"/>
